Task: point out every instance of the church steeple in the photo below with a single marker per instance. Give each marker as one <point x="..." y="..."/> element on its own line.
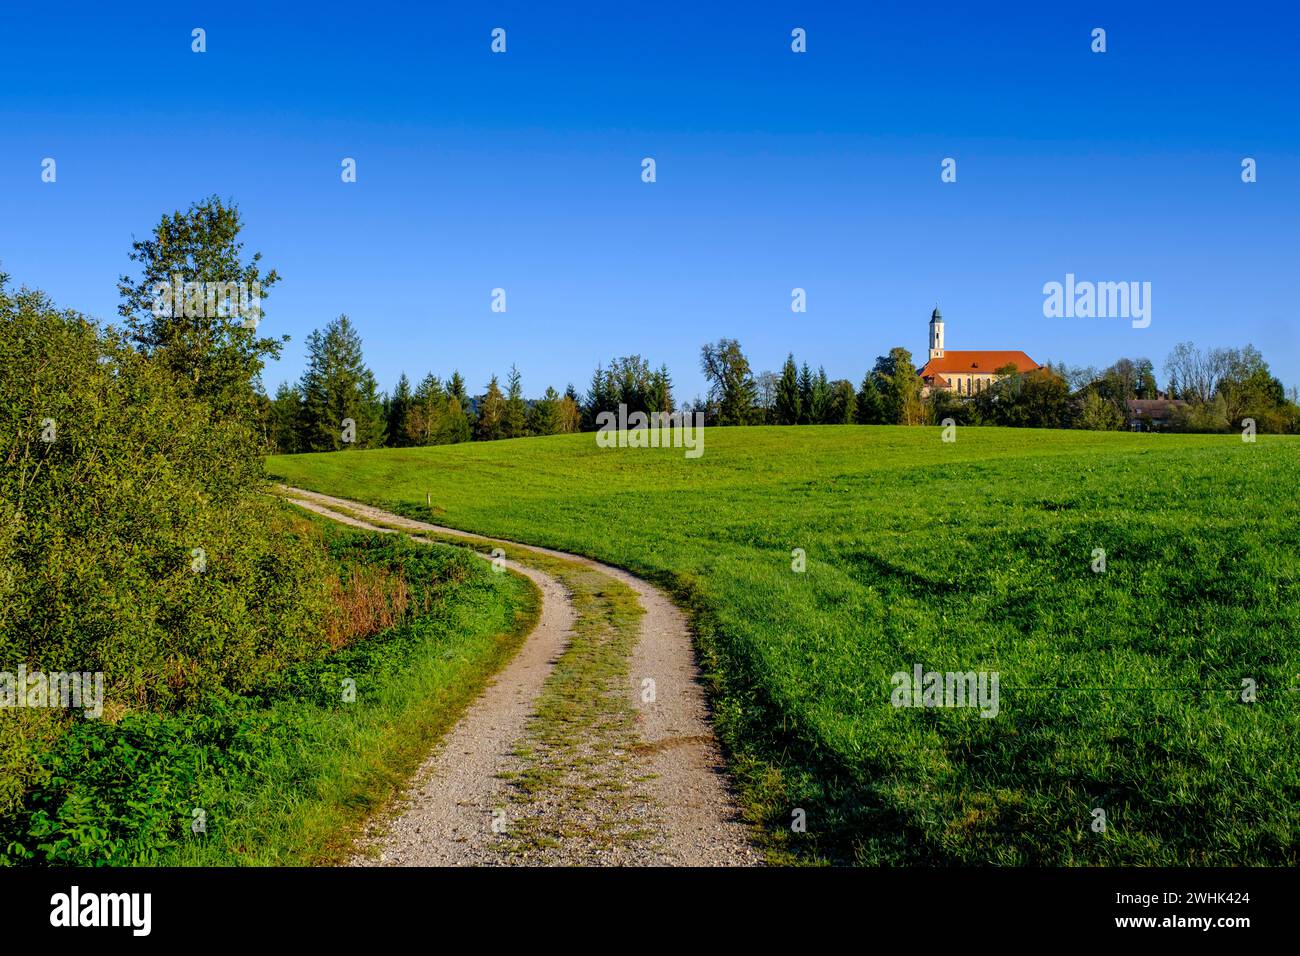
<point x="936" y="334"/>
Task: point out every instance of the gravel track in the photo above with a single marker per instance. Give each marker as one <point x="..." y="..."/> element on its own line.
<point x="446" y="817"/>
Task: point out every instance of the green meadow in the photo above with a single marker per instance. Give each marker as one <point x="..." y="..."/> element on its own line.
<point x="1120" y="689"/>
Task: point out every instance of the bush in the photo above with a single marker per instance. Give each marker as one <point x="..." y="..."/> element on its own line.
<point x="133" y="536"/>
<point x="124" y="793"/>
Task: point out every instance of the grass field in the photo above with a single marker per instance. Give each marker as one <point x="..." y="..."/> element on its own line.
<point x="1120" y="690"/>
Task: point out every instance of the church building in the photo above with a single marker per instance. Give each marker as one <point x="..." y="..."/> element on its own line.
<point x="965" y="372"/>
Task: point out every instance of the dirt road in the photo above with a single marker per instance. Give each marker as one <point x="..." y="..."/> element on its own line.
<point x="456" y="811"/>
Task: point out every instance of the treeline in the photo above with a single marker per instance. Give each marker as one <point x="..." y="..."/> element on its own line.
<point x="889" y="394"/>
<point x="1214" y="391"/>
<point x="337" y="404"/>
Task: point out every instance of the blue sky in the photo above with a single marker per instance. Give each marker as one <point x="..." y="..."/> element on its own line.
<point x="775" y="170"/>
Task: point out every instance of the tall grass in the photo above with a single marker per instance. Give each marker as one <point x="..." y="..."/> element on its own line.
<point x="365" y="602"/>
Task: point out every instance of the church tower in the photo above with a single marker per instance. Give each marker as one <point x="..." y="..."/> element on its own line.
<point x="936" y="334"/>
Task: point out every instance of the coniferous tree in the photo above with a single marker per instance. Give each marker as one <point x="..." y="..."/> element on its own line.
<point x="398" y="413"/>
<point x="491" y="413"/>
<point x="627" y="381"/>
<point x="282" y="420"/>
<point x="805" y="394"/>
<point x="341" y="406"/>
<point x="869" y="409"/>
<point x="454" y="425"/>
<point x="788" y="406"/>
<point x="428" y="407"/>
<point x="819" y="411"/>
<point x="514" y="422"/>
<point x="456" y="390"/>
<point x="601" y="397"/>
<point x="546" y="415"/>
<point x="659" y="394"/>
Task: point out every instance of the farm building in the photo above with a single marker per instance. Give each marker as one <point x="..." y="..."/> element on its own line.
<point x="1152" y="414"/>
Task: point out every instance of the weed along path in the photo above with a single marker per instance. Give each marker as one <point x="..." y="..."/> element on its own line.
<point x="591" y="747"/>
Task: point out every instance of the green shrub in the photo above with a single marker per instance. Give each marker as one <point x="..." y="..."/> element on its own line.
<point x="133" y="538"/>
<point x="125" y="793"/>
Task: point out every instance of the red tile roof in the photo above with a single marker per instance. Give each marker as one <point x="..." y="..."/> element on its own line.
<point x="977" y="362"/>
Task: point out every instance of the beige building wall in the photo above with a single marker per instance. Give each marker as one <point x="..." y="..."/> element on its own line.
<point x="971" y="383"/>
